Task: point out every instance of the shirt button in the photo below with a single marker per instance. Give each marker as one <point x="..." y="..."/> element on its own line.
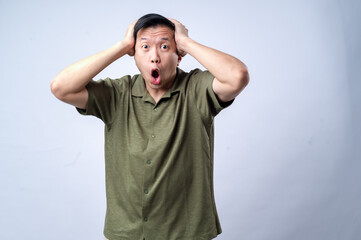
<point x="146" y="191"/>
<point x="153" y="136"/>
<point x="156" y="109"/>
<point x="145" y="219"/>
<point x="149" y="162"/>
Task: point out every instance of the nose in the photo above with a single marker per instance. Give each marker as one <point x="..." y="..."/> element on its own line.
<point x="155" y="57"/>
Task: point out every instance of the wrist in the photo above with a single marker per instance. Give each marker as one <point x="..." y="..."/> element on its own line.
<point x="124" y="47"/>
<point x="184" y="43"/>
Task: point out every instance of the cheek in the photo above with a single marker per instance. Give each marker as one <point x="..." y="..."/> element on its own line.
<point x="139" y="61"/>
<point x="136" y="62"/>
<point x="173" y="60"/>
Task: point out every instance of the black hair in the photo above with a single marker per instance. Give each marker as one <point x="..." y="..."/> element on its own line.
<point x="151" y="20"/>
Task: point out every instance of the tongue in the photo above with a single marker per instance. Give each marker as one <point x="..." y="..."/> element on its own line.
<point x="156" y="80"/>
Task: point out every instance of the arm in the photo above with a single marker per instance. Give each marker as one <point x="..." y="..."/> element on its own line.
<point x="69" y="84"/>
<point x="231" y="75"/>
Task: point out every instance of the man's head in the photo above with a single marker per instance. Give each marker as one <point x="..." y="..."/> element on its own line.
<point x="151" y="20"/>
<point x="156" y="51"/>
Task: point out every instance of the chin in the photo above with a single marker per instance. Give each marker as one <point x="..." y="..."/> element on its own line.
<point x="155" y="86"/>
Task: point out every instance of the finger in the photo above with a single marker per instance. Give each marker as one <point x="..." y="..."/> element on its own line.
<point x="131" y="53"/>
<point x="181" y="52"/>
<point x="172" y="20"/>
<point x="175" y="22"/>
<point x="135" y="22"/>
<point x="131" y="26"/>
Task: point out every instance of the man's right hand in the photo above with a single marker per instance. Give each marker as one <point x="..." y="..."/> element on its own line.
<point x="69" y="84"/>
<point x="129" y="39"/>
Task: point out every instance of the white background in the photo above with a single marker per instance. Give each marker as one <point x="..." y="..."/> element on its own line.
<point x="286" y="159"/>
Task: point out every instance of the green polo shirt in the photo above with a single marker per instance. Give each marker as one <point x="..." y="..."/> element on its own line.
<point x="158" y="157"/>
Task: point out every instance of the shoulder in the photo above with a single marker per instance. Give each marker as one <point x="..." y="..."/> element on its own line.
<point x="123" y="82"/>
<point x="199" y="79"/>
<point x="117" y="84"/>
<point x="195" y="73"/>
<point x="194" y="77"/>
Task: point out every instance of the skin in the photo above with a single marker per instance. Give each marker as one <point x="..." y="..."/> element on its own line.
<point x="231" y="75"/>
<point x="156" y="49"/>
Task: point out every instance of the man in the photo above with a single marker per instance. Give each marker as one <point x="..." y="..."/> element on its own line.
<point x="158" y="129"/>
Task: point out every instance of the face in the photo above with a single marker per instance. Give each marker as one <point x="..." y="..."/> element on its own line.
<point x="156" y="57"/>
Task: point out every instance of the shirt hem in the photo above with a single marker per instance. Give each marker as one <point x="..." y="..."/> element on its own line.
<point x="210" y="236"/>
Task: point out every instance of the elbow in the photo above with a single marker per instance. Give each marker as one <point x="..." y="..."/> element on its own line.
<point x="242" y="81"/>
<point x="56" y="89"/>
<point x="227" y="90"/>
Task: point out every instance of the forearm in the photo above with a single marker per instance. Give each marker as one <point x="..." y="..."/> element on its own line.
<point x="75" y="77"/>
<point x="224" y="67"/>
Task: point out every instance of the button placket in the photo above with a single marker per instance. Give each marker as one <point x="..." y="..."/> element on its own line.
<point x="148" y="171"/>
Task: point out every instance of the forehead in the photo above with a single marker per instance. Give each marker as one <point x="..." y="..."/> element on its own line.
<point x="155" y="32"/>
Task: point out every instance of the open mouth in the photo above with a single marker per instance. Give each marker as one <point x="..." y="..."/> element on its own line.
<point x="155" y="73"/>
<point x="155" y="76"/>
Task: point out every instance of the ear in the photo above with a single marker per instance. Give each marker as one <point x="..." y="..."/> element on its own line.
<point x="179" y="59"/>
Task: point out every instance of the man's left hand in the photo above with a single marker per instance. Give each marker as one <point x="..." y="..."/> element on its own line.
<point x="180" y="35"/>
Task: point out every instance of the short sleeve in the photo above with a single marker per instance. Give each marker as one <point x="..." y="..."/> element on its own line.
<point x="104" y="97"/>
<point x="205" y="99"/>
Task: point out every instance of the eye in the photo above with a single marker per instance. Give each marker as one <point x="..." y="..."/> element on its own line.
<point x="145" y="46"/>
<point x="164" y="46"/>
